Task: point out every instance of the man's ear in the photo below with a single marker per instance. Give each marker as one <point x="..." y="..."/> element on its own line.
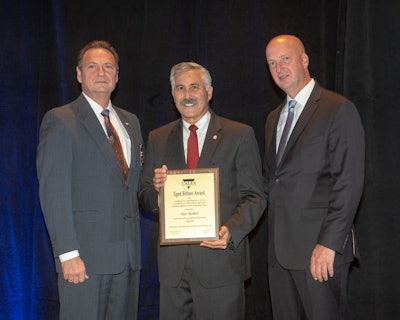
<point x="210" y="92"/>
<point x="78" y="75"/>
<point x="304" y="58"/>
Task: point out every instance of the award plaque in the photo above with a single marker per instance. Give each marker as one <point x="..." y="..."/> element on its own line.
<point x="189" y="206"/>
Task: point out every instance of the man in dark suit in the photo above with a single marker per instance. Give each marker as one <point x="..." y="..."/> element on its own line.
<point x="89" y="201"/>
<point x="313" y="185"/>
<point x="205" y="281"/>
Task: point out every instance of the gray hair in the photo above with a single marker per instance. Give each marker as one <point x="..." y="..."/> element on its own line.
<point x="187" y="66"/>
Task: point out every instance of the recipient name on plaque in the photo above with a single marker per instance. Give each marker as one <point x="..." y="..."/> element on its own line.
<point x="189" y="206"/>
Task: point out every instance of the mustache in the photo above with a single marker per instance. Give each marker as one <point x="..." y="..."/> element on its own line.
<point x="184" y="102"/>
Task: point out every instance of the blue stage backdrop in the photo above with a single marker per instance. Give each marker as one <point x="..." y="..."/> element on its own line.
<point x="27" y="278"/>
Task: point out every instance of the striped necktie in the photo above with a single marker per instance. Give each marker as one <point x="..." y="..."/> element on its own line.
<point x="116" y="143"/>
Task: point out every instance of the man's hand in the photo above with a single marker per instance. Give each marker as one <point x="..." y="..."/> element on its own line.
<point x="321" y="265"/>
<point x="74" y="270"/>
<point x="160" y="176"/>
<point x="221" y="243"/>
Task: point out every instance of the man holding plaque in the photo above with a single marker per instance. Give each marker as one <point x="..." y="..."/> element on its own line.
<point x="205" y="279"/>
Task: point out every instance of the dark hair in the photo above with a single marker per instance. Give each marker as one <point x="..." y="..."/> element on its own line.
<point x="97" y="44"/>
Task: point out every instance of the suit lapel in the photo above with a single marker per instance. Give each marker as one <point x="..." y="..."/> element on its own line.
<point x="304" y="118"/>
<point x="135" y="141"/>
<point x="92" y="125"/>
<point x="175" y="157"/>
<point x="213" y="136"/>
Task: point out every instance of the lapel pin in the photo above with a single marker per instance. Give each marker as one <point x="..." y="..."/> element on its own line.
<point x="215" y="137"/>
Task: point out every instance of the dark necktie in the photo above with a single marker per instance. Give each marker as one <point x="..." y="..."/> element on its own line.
<point x="285" y="132"/>
<point x="192" y="148"/>
<point x="116" y="143"/>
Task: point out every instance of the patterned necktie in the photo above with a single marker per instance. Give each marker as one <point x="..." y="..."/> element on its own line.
<point x="192" y="148"/>
<point x="116" y="143"/>
<point x="285" y="132"/>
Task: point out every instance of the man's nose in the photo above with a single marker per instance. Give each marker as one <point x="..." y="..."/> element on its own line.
<point x="187" y="93"/>
<point x="100" y="70"/>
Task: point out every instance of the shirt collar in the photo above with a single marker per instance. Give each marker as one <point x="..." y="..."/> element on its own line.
<point x="304" y="94"/>
<point x="95" y="106"/>
<point x="202" y="124"/>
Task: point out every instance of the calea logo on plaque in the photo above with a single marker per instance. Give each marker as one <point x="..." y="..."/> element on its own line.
<point x="188" y="182"/>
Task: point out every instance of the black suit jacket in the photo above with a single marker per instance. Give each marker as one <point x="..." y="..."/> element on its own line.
<point x="232" y="147"/>
<point x="86" y="203"/>
<point x="314" y="193"/>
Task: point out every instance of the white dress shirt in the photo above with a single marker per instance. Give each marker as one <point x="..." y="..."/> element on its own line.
<point x="301" y="98"/>
<point x="117" y="124"/>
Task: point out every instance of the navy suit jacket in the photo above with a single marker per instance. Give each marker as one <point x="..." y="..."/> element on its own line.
<point x="314" y="193"/>
<point x="231" y="147"/>
<point x="86" y="203"/>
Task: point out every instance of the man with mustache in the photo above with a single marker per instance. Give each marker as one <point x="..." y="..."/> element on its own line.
<point x="205" y="281"/>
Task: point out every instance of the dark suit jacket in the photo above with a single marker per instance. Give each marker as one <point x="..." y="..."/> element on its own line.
<point x="314" y="193"/>
<point x="85" y="201"/>
<point x="232" y="147"/>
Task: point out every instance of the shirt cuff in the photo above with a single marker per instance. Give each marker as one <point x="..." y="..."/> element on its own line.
<point x="68" y="255"/>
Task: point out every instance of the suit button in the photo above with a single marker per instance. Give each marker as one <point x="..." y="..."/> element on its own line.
<point x="277" y="180"/>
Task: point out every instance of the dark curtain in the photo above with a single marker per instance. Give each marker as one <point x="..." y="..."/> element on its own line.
<point x="353" y="47"/>
<point x="370" y="74"/>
